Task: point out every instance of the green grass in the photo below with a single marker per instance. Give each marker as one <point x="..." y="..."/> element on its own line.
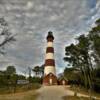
<point x="77" y="98"/>
<point x="23" y="92"/>
<point x="29" y="95"/>
<point x="74" y="98"/>
<point x="83" y="91"/>
<point x="19" y="88"/>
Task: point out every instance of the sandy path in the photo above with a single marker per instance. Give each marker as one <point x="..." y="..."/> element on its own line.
<point x="52" y="93"/>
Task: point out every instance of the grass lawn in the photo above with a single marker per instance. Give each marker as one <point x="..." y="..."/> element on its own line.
<point x="75" y="98"/>
<point x="19" y="88"/>
<point x="25" y="92"/>
<point x="29" y="95"/>
<point x="84" y="91"/>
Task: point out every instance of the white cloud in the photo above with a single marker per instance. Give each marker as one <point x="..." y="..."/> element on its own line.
<point x="54" y="17"/>
<point x="29" y="4"/>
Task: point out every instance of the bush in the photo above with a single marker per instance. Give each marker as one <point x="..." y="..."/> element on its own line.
<point x="96" y="85"/>
<point x="36" y="80"/>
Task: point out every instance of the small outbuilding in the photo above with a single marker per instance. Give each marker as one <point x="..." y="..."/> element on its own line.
<point x="62" y="81"/>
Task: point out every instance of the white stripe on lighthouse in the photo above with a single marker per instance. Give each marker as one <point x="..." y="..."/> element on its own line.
<point x="49" y="69"/>
<point x="50" y="44"/>
<point x="49" y="56"/>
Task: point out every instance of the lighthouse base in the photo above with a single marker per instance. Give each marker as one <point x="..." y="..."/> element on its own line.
<point x="50" y="79"/>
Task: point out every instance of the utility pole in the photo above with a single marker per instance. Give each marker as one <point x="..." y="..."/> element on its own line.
<point x="29" y="72"/>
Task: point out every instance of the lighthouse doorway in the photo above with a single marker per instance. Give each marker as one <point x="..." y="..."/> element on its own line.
<point x="50" y="81"/>
<point x="63" y="82"/>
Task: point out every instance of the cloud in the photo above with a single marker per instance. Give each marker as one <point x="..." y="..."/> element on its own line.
<point x="29" y="5"/>
<point x="32" y="19"/>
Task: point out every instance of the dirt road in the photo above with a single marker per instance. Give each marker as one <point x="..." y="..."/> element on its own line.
<point x="53" y="93"/>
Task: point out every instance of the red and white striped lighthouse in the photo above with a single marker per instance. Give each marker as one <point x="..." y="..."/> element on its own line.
<point x="49" y="70"/>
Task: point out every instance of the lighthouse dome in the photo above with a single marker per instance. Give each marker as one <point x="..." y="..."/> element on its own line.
<point x="50" y="35"/>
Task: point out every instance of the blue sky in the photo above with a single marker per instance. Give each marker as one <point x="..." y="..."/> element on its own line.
<point x="30" y="20"/>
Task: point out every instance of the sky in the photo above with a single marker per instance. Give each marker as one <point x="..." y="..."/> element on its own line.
<point x="31" y="20"/>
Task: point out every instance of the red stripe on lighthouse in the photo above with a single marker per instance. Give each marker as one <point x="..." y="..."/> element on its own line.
<point x="49" y="62"/>
<point x="50" y="50"/>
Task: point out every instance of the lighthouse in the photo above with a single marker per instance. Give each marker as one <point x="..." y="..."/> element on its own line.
<point x="49" y="68"/>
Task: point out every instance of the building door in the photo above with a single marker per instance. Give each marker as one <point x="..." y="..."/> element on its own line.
<point x="50" y="81"/>
<point x="63" y="82"/>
